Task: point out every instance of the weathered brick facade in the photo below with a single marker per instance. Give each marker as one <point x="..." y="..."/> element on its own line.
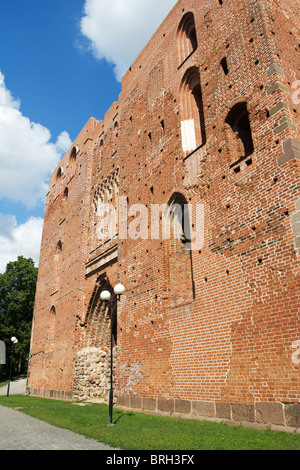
<point x="208" y="116"/>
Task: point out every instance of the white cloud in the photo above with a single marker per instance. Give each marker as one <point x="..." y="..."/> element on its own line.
<point x="119" y="29"/>
<point x="27" y="157"/>
<point x="19" y="240"/>
<point x="63" y="142"/>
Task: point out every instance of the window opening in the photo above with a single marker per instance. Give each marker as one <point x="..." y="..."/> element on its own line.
<point x="225" y="66"/>
<point x="186" y="37"/>
<point x="239" y="135"/>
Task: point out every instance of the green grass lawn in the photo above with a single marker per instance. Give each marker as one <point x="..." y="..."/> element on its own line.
<point x="138" y="431"/>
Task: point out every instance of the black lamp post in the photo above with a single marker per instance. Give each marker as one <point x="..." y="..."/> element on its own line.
<point x="106" y="296"/>
<point x="14" y="341"/>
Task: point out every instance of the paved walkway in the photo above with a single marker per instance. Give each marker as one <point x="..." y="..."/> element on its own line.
<point x="17" y="387"/>
<point x="21" y="432"/>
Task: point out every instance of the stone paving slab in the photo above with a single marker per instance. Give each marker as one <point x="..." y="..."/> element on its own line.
<point x="21" y="432"/>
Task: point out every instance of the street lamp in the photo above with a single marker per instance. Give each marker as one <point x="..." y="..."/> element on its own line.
<point x="14" y="341"/>
<point x="106" y="296"/>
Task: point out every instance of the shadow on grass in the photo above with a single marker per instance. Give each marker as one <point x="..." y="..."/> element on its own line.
<point x="121" y="416"/>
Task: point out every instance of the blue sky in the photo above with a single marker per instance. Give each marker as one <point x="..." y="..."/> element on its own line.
<point x="44" y="62"/>
<point x="61" y="62"/>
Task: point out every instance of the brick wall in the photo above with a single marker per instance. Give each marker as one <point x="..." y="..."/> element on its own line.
<point x="214" y="328"/>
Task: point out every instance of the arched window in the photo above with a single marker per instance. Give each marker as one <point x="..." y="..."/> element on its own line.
<point x="186" y="37"/>
<point x="56" y="266"/>
<point x="72" y="159"/>
<point x="52" y="311"/>
<point x="51" y="328"/>
<point x="193" y="124"/>
<point x="115" y="137"/>
<point x="238" y="133"/>
<point x="66" y="194"/>
<point x="116" y="129"/>
<point x="179" y="252"/>
<point x="178" y="219"/>
<point x="59" y="174"/>
<point x="64" y="206"/>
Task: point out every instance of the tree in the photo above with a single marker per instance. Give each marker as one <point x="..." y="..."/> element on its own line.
<point x="17" y="293"/>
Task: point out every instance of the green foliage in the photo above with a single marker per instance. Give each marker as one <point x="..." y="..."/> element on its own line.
<point x="139" y="431"/>
<point x="17" y="293"/>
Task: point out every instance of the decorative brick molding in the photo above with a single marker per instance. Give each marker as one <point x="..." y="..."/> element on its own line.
<point x="108" y="256"/>
<point x="291" y="148"/>
<point x="282" y="416"/>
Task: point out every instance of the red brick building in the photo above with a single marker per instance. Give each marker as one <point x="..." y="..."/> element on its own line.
<point x="208" y="118"/>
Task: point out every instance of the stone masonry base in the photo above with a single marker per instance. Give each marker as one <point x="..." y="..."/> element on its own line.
<point x="276" y="416"/>
<point x="55" y="394"/>
<point x="260" y="415"/>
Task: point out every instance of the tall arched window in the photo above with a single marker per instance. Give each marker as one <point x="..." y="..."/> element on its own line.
<point x="115" y="138"/>
<point x="51" y="328"/>
<point x="193" y="124"/>
<point x="59" y="174"/>
<point x="72" y="160"/>
<point x="186" y="37"/>
<point x="64" y="206"/>
<point x="179" y="252"/>
<point x="56" y="266"/>
<point x="178" y="219"/>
